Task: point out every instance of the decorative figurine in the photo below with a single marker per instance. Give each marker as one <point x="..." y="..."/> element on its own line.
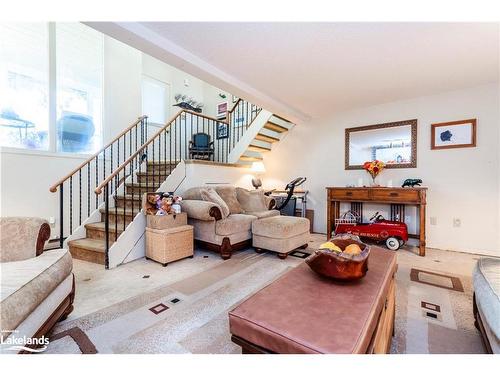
<point x="412" y="182"/>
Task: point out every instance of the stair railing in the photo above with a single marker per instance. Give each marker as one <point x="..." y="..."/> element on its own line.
<point x="153" y="162"/>
<point x="239" y="118"/>
<point x="77" y="199"/>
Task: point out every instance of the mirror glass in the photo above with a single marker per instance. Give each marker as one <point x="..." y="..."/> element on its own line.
<point x="392" y="143"/>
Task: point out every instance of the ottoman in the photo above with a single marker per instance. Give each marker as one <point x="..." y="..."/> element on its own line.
<point x="280" y="234"/>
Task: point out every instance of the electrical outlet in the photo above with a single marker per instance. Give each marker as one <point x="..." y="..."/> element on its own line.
<point x="52" y="220"/>
<point x="433" y="220"/>
<point x="457" y="222"/>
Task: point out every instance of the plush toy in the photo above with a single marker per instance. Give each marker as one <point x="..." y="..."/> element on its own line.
<point x="165" y="206"/>
<point x="176" y="206"/>
<point x="153" y="206"/>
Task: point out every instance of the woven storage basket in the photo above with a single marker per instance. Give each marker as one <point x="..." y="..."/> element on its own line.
<point x="168" y="245"/>
<point x="166" y="221"/>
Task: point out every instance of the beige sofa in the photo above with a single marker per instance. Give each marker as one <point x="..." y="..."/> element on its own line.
<point x="37" y="286"/>
<point x="226" y="232"/>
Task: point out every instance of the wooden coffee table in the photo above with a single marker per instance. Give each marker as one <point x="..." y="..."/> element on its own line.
<point x="302" y="312"/>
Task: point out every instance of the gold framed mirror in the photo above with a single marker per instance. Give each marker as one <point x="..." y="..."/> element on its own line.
<point x="394" y="143"/>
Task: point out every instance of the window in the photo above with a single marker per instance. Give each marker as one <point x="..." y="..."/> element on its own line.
<point x="155" y="100"/>
<point x="24" y="85"/>
<point x="37" y="58"/>
<point x="79" y="51"/>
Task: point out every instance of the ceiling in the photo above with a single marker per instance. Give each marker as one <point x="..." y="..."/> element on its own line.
<point x="311" y="70"/>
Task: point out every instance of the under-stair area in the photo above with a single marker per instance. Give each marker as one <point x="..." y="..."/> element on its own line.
<point x="100" y="199"/>
<point x="273" y="131"/>
<point x="126" y="206"/>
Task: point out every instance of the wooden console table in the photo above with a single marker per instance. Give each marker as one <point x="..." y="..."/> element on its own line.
<point x="396" y="197"/>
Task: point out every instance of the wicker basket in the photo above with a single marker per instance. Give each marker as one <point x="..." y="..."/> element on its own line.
<point x="169" y="245"/>
<point x="166" y="221"/>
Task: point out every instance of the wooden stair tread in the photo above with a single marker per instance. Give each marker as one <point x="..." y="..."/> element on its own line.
<point x="101" y="226"/>
<point x="266" y="138"/>
<point x="130" y="197"/>
<point x="119" y="211"/>
<point x="275" y="127"/>
<point x="258" y="148"/>
<point x="90" y="244"/>
<point x="250" y="158"/>
<point x="142" y="184"/>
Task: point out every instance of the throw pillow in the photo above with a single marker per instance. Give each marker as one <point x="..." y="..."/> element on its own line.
<point x="210" y="195"/>
<point x="228" y="195"/>
<point x="251" y="201"/>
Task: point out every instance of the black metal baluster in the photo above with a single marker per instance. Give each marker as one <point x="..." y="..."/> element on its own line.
<point x="71" y="205"/>
<point x="170" y="147"/>
<point x="61" y="216"/>
<point x="106" y="225"/>
<point x="80" y="196"/>
<point x="96" y="179"/>
<point x="88" y="189"/>
<point x="116" y="206"/>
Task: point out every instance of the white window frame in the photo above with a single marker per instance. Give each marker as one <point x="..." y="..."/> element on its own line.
<point x="168" y="99"/>
<point x="52" y="107"/>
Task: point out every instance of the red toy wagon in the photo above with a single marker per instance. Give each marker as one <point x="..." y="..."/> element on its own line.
<point x="393" y="233"/>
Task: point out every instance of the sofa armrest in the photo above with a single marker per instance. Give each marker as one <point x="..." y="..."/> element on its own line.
<point x="270" y="202"/>
<point x="201" y="210"/>
<point x="22" y="238"/>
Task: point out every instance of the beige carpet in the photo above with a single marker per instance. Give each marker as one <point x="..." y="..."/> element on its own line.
<point x="144" y="308"/>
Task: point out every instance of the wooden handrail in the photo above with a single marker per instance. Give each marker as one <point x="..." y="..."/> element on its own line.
<point x="98" y="189"/>
<point x="235" y="105"/>
<point x="53" y="188"/>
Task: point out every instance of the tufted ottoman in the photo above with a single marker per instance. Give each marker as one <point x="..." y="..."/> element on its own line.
<point x="280" y="234"/>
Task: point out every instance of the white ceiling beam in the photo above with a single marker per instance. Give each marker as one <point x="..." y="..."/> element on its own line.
<point x="149" y="42"/>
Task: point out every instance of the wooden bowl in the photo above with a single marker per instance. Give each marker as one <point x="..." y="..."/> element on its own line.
<point x="340" y="266"/>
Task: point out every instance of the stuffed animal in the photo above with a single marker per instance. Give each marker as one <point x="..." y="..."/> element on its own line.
<point x="153" y="206"/>
<point x="165" y="206"/>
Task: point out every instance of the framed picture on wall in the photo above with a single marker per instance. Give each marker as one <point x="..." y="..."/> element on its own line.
<point x="221" y="110"/>
<point x="454" y="134"/>
<point x="222" y="130"/>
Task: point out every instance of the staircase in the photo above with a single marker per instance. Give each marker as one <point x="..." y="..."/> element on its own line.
<point x="272" y="132"/>
<point x="99" y="201"/>
<point x="126" y="206"/>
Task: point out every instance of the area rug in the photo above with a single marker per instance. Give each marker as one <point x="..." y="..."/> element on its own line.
<point x="433" y="308"/>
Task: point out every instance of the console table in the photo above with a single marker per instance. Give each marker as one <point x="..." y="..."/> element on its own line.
<point x="396" y="197"/>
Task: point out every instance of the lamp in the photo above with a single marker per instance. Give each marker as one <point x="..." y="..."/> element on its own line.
<point x="257" y="168"/>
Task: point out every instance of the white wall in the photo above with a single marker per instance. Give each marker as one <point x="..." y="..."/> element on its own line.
<point x="462" y="183"/>
<point x="122" y="87"/>
<point x="26" y="175"/>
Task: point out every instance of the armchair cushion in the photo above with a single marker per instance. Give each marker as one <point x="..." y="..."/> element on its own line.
<point x="201" y="210"/>
<point x="26" y="284"/>
<point x="264" y="214"/>
<point x="19" y="237"/>
<point x="210" y="195"/>
<point x="251" y="201"/>
<point x="234" y="224"/>
<point x="228" y="195"/>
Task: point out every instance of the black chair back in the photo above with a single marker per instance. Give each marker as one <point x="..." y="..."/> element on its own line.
<point x="201" y="140"/>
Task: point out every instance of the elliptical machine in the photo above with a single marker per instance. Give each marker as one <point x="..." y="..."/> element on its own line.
<point x="288" y="204"/>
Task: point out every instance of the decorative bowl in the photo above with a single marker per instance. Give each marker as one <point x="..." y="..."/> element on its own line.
<point x="340" y="266"/>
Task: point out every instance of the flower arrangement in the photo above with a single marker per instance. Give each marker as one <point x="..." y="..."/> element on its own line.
<point x="374" y="168"/>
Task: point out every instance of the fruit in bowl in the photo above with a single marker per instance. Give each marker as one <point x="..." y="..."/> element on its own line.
<point x="344" y="257"/>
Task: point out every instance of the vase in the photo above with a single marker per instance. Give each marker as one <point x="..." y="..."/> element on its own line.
<point x="374" y="183"/>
